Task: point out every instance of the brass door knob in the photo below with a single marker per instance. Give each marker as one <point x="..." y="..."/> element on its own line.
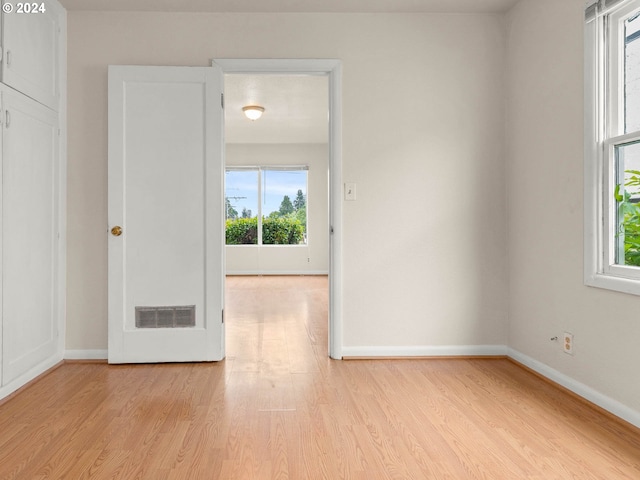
<point x="116" y="231"/>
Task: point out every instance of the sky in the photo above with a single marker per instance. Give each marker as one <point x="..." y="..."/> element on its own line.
<point x="241" y="188"/>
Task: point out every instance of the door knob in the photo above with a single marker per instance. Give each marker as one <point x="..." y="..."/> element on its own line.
<point x="116" y="231"/>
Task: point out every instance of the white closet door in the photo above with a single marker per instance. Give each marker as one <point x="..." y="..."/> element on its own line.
<point x="29" y="233"/>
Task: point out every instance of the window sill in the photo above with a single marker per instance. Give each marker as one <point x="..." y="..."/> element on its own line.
<point x="611" y="282"/>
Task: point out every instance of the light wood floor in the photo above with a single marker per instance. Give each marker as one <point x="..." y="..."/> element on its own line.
<point x="278" y="408"/>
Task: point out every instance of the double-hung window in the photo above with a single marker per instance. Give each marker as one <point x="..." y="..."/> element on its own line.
<point x="612" y="145"/>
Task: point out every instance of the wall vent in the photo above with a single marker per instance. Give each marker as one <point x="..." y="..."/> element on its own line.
<point x="166" y="317"/>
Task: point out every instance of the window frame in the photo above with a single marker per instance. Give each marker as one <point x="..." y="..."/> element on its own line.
<point x="604" y="121"/>
<point x="260" y="169"/>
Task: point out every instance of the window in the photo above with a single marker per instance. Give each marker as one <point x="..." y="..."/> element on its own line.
<point x="612" y="153"/>
<point x="266" y="205"/>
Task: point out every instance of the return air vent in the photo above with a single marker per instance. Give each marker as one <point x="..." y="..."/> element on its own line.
<point x="166" y="317"/>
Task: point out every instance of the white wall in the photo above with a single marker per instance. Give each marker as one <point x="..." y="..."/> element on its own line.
<point x="312" y="258"/>
<point x="545" y="206"/>
<point x="423" y="118"/>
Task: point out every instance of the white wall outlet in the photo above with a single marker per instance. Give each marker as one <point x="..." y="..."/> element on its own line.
<point x="567" y="343"/>
<point x="350" y="191"/>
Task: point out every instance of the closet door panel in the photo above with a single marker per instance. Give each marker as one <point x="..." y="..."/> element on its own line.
<point x="30" y="57"/>
<point x="29" y="234"/>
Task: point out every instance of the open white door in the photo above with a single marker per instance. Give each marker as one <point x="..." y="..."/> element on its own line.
<point x="166" y="268"/>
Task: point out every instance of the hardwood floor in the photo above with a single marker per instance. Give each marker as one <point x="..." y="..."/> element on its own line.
<point x="278" y="408"/>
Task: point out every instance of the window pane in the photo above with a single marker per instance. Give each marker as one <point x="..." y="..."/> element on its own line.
<point x="627" y="196"/>
<point x="284" y="207"/>
<point x="241" y="199"/>
<point x="632" y="74"/>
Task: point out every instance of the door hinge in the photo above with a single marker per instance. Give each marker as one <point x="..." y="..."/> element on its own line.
<point x="222" y="100"/>
<point x="223" y="315"/>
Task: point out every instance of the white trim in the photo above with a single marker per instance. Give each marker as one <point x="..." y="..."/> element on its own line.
<point x="599" y="270"/>
<point x="86" y="354"/>
<point x="29" y="375"/>
<point x="612" y="406"/>
<point x="609" y="404"/>
<point x="426" y="351"/>
<point x="254" y="273"/>
<point x="61" y="266"/>
<point x="333" y="69"/>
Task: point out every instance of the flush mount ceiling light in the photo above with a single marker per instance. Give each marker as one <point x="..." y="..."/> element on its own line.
<point x="253" y="112"/>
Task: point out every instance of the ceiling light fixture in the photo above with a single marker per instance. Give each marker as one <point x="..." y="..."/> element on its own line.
<point x="253" y="112"/>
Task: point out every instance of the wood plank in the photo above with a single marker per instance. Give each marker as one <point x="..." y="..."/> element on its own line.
<point x="279" y="408"/>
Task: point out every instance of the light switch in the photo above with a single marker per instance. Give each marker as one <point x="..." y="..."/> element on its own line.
<point x="349" y="191"/>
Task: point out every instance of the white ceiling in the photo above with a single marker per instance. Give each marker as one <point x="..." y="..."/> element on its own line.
<point x="302" y="6"/>
<point x="296" y="108"/>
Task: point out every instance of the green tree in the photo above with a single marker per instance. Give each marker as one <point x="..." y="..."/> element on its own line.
<point x="231" y="212"/>
<point x="300" y="201"/>
<point x="246" y="213"/>
<point x="301" y="216"/>
<point x="286" y="207"/>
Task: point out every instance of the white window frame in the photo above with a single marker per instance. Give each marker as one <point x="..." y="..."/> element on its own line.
<point x="260" y="169"/>
<point x="604" y="122"/>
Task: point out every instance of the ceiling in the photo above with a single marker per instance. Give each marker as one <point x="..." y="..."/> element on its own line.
<point x="296" y="108"/>
<point x="295" y="6"/>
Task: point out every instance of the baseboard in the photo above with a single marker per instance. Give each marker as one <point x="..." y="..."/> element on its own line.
<point x="606" y="403"/>
<point x="85" y="354"/>
<point x="610" y="405"/>
<point x="425" y="351"/>
<point x="589" y="394"/>
<point x="6" y="391"/>
<point x="254" y="273"/>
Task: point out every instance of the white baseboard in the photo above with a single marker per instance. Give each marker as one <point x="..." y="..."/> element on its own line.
<point x="426" y="351"/>
<point x="613" y="406"/>
<point x="85" y="354"/>
<point x="25" y="378"/>
<point x="276" y="272"/>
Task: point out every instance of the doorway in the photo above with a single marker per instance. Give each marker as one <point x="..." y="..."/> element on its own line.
<point x="252" y="76"/>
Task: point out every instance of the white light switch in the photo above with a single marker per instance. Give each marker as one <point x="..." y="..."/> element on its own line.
<point x="349" y="191"/>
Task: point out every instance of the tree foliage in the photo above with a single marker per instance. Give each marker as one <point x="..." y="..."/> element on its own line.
<point x="282" y="231"/>
<point x="275" y="231"/>
<point x="286" y="207"/>
<point x="300" y="202"/>
<point x="242" y="231"/>
<point x="286" y="226"/>
<point x="629" y="217"/>
<point x="230" y="212"/>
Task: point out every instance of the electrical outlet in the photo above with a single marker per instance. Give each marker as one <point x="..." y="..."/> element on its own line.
<point x="567" y="343"/>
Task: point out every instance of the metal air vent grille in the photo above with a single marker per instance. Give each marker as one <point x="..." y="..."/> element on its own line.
<point x="166" y="317"/>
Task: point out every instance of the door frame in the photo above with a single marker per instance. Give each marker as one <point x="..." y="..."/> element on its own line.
<point x="331" y="68"/>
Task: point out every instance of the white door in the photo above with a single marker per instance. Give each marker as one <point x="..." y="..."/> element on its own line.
<point x="166" y="269"/>
<point x="29" y="233"/>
